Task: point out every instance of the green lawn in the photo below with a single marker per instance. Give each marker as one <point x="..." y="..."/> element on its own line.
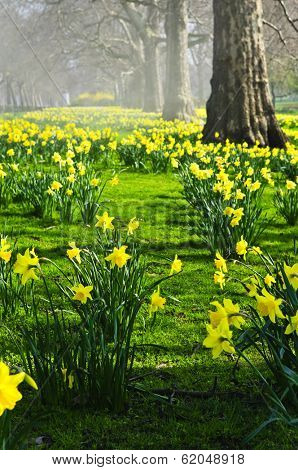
<point x="173" y="355"/>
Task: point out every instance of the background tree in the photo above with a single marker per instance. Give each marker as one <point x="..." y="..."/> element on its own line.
<point x="178" y="96"/>
<point x="121" y="47"/>
<point x="240" y="106"/>
<point x="281" y="37"/>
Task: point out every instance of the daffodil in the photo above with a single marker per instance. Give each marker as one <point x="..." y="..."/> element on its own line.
<point x="71" y="380"/>
<point x="256" y="250"/>
<point x="229" y="311"/>
<point x="56" y="157"/>
<point x="28" y="379"/>
<point x="26" y="265"/>
<point x="255" y="186"/>
<point x="105" y="221"/>
<point x="64" y="374"/>
<point x="220" y="263"/>
<point x="228" y="211"/>
<point x="241" y="247"/>
<point x="10" y="152"/>
<point x="174" y="162"/>
<point x="15" y="167"/>
<point x="268" y="305"/>
<point x="114" y="181"/>
<point x="253" y="287"/>
<point x="82" y="293"/>
<point x="74" y="252"/>
<point x="292" y="274"/>
<point x="293" y="325"/>
<point x="56" y="185"/>
<point x="219" y="339"/>
<point x="71" y="178"/>
<point x="239" y="194"/>
<point x="176" y="266"/>
<point x="9" y="393"/>
<point x="219" y="278"/>
<point x="5" y="252"/>
<point x="118" y="257"/>
<point x="290" y="185"/>
<point x="95" y="182"/>
<point x="112" y="145"/>
<point x="157" y="302"/>
<point x="269" y="280"/>
<point x="132" y="225"/>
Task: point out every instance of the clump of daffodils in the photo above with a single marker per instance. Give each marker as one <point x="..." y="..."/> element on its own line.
<point x="268" y="326"/>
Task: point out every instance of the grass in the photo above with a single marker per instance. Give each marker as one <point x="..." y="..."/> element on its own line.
<point x="173" y="355"/>
<point x="289" y="107"/>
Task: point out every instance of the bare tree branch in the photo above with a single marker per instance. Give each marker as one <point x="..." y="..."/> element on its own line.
<point x="272" y="26"/>
<point x="290" y="20"/>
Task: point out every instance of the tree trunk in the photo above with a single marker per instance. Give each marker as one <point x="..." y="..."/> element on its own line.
<point x="178" y="100"/>
<point x="152" y="85"/>
<point x="240" y="106"/>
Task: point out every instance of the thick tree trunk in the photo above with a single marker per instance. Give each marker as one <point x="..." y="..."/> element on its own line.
<point x="240" y="107"/>
<point x="178" y="100"/>
<point x="152" y="83"/>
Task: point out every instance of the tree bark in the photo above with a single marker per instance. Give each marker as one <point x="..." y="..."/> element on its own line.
<point x="178" y="100"/>
<point x="240" y="106"/>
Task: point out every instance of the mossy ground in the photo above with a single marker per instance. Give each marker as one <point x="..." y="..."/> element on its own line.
<point x="174" y="356"/>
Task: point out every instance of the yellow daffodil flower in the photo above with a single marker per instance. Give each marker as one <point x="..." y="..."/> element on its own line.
<point x="241" y="247"/>
<point x="118" y="257"/>
<point x="290" y="185"/>
<point x="95" y="182"/>
<point x="9" y="393"/>
<point x="253" y="287"/>
<point x="219" y="278"/>
<point x="132" y="225"/>
<point x="157" y="302"/>
<point x="74" y="252"/>
<point x="26" y="265"/>
<point x="55" y="186"/>
<point x="105" y="222"/>
<point x="292" y="274"/>
<point x="269" y="280"/>
<point x="5" y="253"/>
<point x="176" y="266"/>
<point x="220" y="263"/>
<point x="293" y="325"/>
<point x="229" y="311"/>
<point x="114" y="181"/>
<point x="256" y="250"/>
<point x="10" y="152"/>
<point x="82" y="294"/>
<point x="268" y="305"/>
<point x="219" y="339"/>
